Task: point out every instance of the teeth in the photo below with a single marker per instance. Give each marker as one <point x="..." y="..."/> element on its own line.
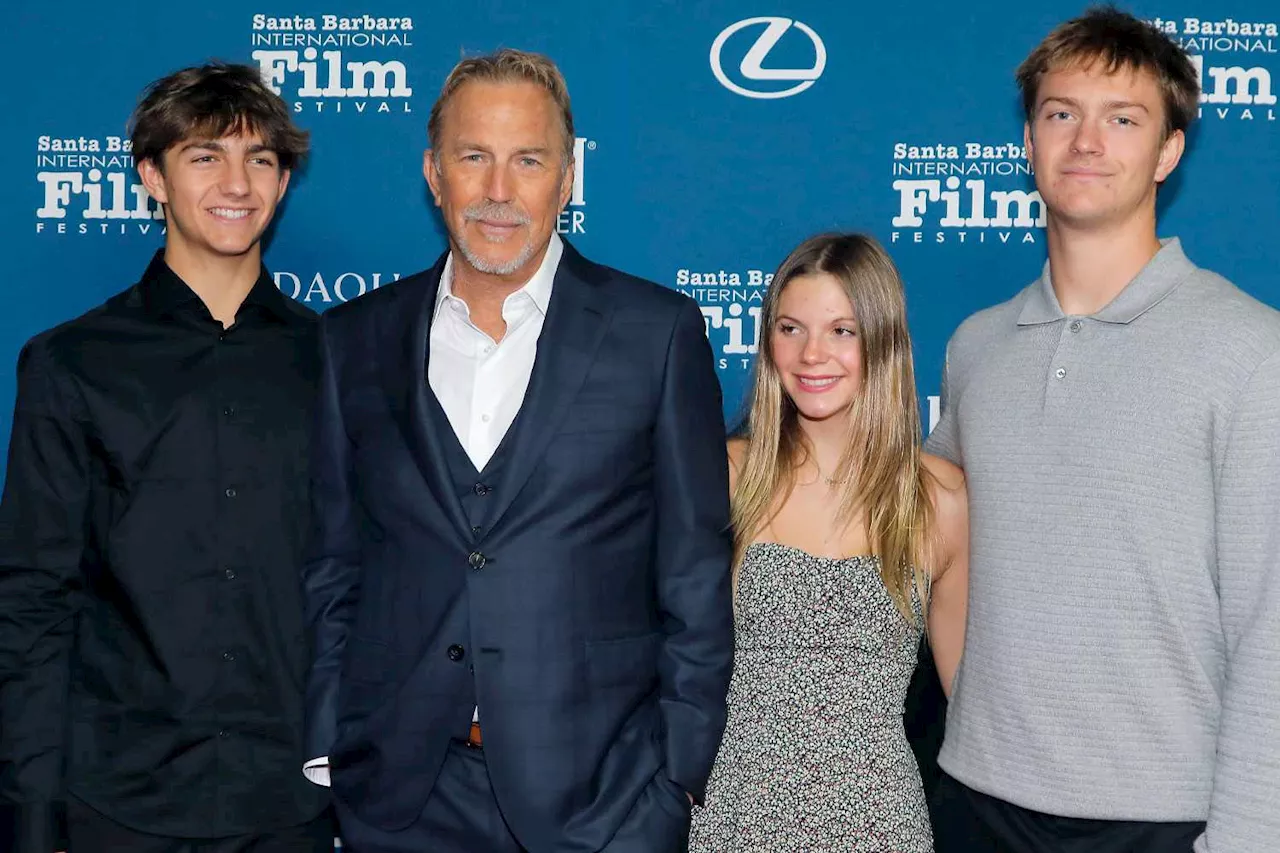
<point x="229" y="213"/>
<point x="818" y="383"/>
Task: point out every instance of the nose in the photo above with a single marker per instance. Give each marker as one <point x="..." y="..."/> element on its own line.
<point x="814" y="352"/>
<point x="1087" y="139"/>
<point x="499" y="186"/>
<point x="235" y="178"/>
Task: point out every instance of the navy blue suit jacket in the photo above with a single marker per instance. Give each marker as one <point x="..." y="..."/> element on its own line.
<point x="593" y="606"/>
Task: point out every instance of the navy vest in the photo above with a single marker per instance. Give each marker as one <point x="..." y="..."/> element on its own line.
<point x="475" y="491"/>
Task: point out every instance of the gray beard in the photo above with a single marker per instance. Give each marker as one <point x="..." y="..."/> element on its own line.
<point x="491" y="268"/>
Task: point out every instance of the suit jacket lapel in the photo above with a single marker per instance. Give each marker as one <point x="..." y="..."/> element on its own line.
<point x="418" y="407"/>
<point x="577" y="317"/>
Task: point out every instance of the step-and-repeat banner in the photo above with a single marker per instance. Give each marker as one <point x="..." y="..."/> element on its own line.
<point x="714" y="137"/>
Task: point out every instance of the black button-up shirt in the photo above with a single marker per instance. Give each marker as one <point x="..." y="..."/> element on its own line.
<point x="153" y="654"/>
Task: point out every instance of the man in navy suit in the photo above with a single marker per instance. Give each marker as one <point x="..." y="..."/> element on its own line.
<point x="520" y="590"/>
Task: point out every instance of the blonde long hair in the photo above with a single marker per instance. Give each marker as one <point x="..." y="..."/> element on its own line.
<point x="880" y="469"/>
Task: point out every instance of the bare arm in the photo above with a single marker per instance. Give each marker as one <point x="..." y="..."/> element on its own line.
<point x="948" y="604"/>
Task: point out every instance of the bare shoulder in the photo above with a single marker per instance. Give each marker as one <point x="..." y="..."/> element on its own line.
<point x="947" y="491"/>
<point x="946" y="474"/>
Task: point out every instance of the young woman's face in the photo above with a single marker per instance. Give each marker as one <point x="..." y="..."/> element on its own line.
<point x="815" y="346"/>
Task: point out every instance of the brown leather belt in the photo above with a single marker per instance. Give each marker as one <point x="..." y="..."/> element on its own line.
<point x="474" y="740"/>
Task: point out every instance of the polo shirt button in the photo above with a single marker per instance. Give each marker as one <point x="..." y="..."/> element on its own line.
<point x="1075" y="325"/>
<point x="1061" y="373"/>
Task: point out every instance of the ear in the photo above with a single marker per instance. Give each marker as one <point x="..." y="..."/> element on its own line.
<point x="153" y="180"/>
<point x="566" y="182"/>
<point x="431" y="173"/>
<point x="1027" y="140"/>
<point x="285" y="174"/>
<point x="1170" y="155"/>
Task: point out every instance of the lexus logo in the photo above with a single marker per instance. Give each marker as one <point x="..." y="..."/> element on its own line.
<point x="752" y="66"/>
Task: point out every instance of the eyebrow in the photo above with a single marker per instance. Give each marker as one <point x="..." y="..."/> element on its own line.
<point x="464" y="145"/>
<point x="1126" y="105"/>
<point x="207" y="144"/>
<point x="1107" y="105"/>
<point x="215" y="145"/>
<point x="851" y="320"/>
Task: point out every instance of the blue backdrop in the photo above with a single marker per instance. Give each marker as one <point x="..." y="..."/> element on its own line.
<point x="714" y="136"/>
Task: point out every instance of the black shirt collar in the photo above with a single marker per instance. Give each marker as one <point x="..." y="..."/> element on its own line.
<point x="164" y="293"/>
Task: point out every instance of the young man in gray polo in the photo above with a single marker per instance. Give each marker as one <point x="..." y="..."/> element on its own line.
<point x="1119" y="424"/>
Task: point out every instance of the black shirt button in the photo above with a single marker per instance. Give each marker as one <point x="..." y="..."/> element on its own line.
<point x="481" y="489"/>
<point x="223" y="733"/>
<point x="228" y="656"/>
<point x="475" y="529"/>
<point x="456" y="652"/>
<point x="230" y="492"/>
<point x="228" y="410"/>
<point x="229" y="574"/>
<point x="476" y="560"/>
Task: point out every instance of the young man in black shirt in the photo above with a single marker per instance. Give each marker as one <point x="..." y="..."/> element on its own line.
<point x="152" y="641"/>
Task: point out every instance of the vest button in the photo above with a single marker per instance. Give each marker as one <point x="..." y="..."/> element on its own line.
<point x="481" y="489"/>
<point x="476" y="560"/>
<point x="456" y="652"/>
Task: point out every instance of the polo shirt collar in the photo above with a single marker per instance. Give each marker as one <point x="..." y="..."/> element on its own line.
<point x="1164" y="272"/>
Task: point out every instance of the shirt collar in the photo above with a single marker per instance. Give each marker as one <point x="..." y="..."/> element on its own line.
<point x="1154" y="282"/>
<point x="164" y="292"/>
<point x="538" y="288"/>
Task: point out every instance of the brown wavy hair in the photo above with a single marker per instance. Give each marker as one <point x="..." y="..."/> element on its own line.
<point x="212" y="101"/>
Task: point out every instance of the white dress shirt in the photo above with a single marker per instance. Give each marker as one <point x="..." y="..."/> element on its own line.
<point x="480" y="382"/>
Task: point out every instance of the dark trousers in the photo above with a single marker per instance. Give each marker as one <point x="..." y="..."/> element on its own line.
<point x="966" y="821"/>
<point x="462" y="816"/>
<point x="89" y="831"/>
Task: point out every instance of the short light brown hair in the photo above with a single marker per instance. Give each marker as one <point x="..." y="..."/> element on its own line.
<point x="1118" y="40"/>
<point x="506" y="66"/>
<point x="212" y="101"/>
